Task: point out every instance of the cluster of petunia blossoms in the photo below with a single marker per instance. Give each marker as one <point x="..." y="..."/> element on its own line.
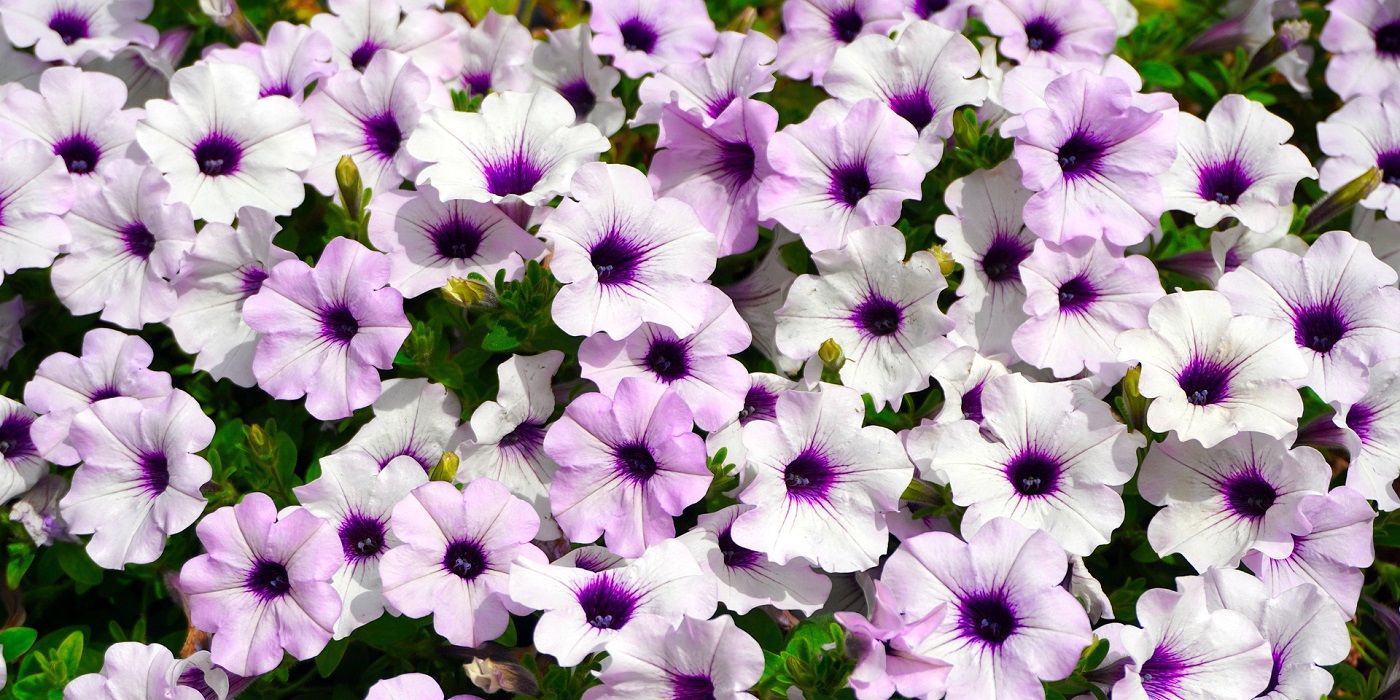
<point x="941" y="436"/>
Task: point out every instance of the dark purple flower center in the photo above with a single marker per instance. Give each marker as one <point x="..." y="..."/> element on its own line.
<point x="1161" y="674"/>
<point x="14" y="437"/>
<point x="716" y="105"/>
<point x="138" y="240"/>
<point x="516" y="174"/>
<point x="692" y="687"/>
<point x="1387" y="40"/>
<point x="846" y="24"/>
<point x="478" y="83"/>
<point x="1318" y="327"/>
<point x="1274" y="672"/>
<point x="1248" y="494"/>
<point x="155" y="472"/>
<point x="69" y="25"/>
<point x="668" y="359"/>
<point x="736" y="163"/>
<point x="988" y="617"/>
<point x="338" y="324"/>
<point x="971" y="403"/>
<point x="1077" y="294"/>
<point x="1389" y="163"/>
<point x="849" y="184"/>
<point x="1359" y="418"/>
<point x="1079" y="156"/>
<point x="591" y="561"/>
<point x="759" y="404"/>
<point x="1223" y="182"/>
<point x="217" y="154"/>
<point x="250" y="280"/>
<point x="616" y="258"/>
<point x="736" y="557"/>
<point x="268" y="580"/>
<point x="638" y="35"/>
<point x="810" y="476"/>
<point x="410" y="450"/>
<point x="106" y="391"/>
<point x="580" y="96"/>
<point x="1033" y="472"/>
<point x="635" y="462"/>
<point x="877" y="316"/>
<point x="361" y="537"/>
<point x="915" y="107"/>
<point x="526" y="437"/>
<point x="607" y="604"/>
<point x="1205" y="381"/>
<point x="79" y="153"/>
<point x="1002" y="261"/>
<point x="456" y="238"/>
<point x="382" y="135"/>
<point x="465" y="559"/>
<point x="1042" y="34"/>
<point x="927" y="8"/>
<point x="282" y="89"/>
<point x="361" y="56"/>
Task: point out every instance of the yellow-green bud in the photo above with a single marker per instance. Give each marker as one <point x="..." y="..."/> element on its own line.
<point x="831" y="355"/>
<point x="466" y="292"/>
<point x="946" y="264"/>
<point x="446" y="468"/>
<point x="1343" y="199"/>
<point x="347" y="178"/>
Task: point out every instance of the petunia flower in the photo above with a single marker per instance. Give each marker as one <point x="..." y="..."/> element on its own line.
<point x="506" y="437"/>
<point x="356" y="496"/>
<point x="226" y="266"/>
<point x="985" y="234"/>
<point x="128" y="243"/>
<point x="410" y="686"/>
<point x="627" y="466"/>
<point x="1236" y="163"/>
<point x="1223" y="501"/>
<point x="412" y="418"/>
<point x="1214" y="374"/>
<point x="748" y="579"/>
<point x="760" y="400"/>
<point x="1184" y="648"/>
<point x="521" y="147"/>
<point x="879" y="308"/>
<point x="882" y="643"/>
<point x="1365" y="134"/>
<point x="136" y="670"/>
<point x="221" y="146"/>
<point x="18" y="69"/>
<point x="697" y="658"/>
<point x="698" y="366"/>
<point x="1052" y="32"/>
<point x="584" y="610"/>
<point x="740" y="67"/>
<point x="843" y="168"/>
<point x="78" y="115"/>
<point x="458" y="552"/>
<point x="1056" y="469"/>
<point x="1363" y="37"/>
<point x="963" y="376"/>
<point x="112" y="364"/>
<point x="72" y="31"/>
<point x="1007" y="623"/>
<point x="1371" y="434"/>
<point x="430" y="241"/>
<point x="1093" y="156"/>
<point x="565" y="63"/>
<point x="1382" y="234"/>
<point x="1332" y="545"/>
<point x="35" y="190"/>
<point x="591" y="557"/>
<point x="21" y="463"/>
<point x="758" y="295"/>
<point x="497" y="52"/>
<point x="820" y="482"/>
<point x="291" y="58"/>
<point x="325" y="331"/>
<point x="644" y="36"/>
<point x="1078" y="303"/>
<point x="38" y="513"/>
<point x="368" y="116"/>
<point x="360" y="29"/>
<point x="813" y="30"/>
<point x="145" y="70"/>
<point x="1303" y="630"/>
<point x="11" y="333"/>
<point x="924" y="74"/>
<point x="626" y="258"/>
<point x="950" y="14"/>
<point x="717" y="168"/>
<point x="264" y="584"/>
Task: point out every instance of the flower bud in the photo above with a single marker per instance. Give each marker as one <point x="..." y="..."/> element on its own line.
<point x="831" y="355"/>
<point x="347" y="178"/>
<point x="1343" y="199"/>
<point x="466" y="293"/>
<point x="946" y="264"/>
<point x="446" y="468"/>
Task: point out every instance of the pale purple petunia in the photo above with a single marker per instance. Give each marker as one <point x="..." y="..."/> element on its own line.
<point x="748" y="579"/>
<point x="78" y="115"/>
<point x="844" y="168"/>
<point x="35" y="191"/>
<point x="963" y="376"/>
<point x="412" y="418"/>
<point x="146" y="71"/>
<point x="72" y="31"/>
<point x="883" y="645"/>
<point x="264" y="585"/>
<point x="1363" y="37"/>
<point x="410" y="686"/>
<point x="759" y="294"/>
<point x="326" y="331"/>
<point x="644" y="36"/>
<point x="627" y="466"/>
<point x="1052" y="32"/>
<point x="290" y="59"/>
<point x="128" y="243"/>
<point x="21" y="464"/>
<point x="497" y="55"/>
<point x="11" y="333"/>
<point x="360" y="29"/>
<point x="695" y="659"/>
<point x="760" y="399"/>
<point x="1332" y="544"/>
<point x="740" y="67"/>
<point x="1365" y="134"/>
<point x="813" y="30"/>
<point x="1371" y="434"/>
<point x="458" y="551"/>
<point x="132" y="670"/>
<point x="565" y="63"/>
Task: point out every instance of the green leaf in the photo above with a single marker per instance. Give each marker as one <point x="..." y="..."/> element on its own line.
<point x="70" y="654"/>
<point x="1202" y="82"/>
<point x="1160" y="73"/>
<point x="16" y="641"/>
<point x="499" y="340"/>
<point x="330" y="657"/>
<point x="76" y="563"/>
<point x="19" y="556"/>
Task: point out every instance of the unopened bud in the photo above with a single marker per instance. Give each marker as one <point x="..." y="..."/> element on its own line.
<point x="347" y="178"/>
<point x="466" y="293"/>
<point x="260" y="443"/>
<point x="831" y="355"/>
<point x="446" y="468"/>
<point x="743" y="21"/>
<point x="1289" y="35"/>
<point x="1343" y="199"/>
<point x="946" y="264"/>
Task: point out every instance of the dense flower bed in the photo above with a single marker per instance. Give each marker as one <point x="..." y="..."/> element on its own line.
<point x="679" y="349"/>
